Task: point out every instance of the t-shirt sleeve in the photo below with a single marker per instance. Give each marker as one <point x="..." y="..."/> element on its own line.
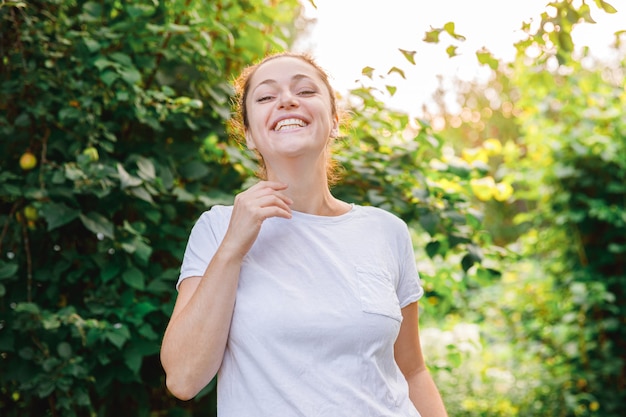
<point x="201" y="246"/>
<point x="409" y="288"/>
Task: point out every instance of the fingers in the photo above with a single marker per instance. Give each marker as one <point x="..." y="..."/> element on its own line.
<point x="273" y="205"/>
<point x="265" y="199"/>
<point x="251" y="208"/>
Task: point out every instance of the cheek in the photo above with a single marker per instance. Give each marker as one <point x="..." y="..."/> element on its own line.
<point x="256" y="125"/>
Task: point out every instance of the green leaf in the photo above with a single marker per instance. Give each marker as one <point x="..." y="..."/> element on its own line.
<point x="173" y="27"/>
<point x="50" y="321"/>
<point x="117" y="336"/>
<point x="134" y="278"/>
<point x="432" y="248"/>
<point x="368" y="72"/>
<point x="26" y="353"/>
<point x="196" y="104"/>
<point x="146" y="169"/>
<point x="130" y="75"/>
<point x="91" y="44"/>
<point x="22" y="120"/>
<point x="143" y="251"/>
<point x="585" y="12"/>
<point x="137" y="351"/>
<point x="142" y="309"/>
<point x="12" y="190"/>
<point x="109" y="271"/>
<point x="98" y="224"/>
<point x="27" y="308"/>
<point x="67" y="114"/>
<point x="451" y="51"/>
<point x="486" y="58"/>
<point x="7" y="270"/>
<point x="135" y="11"/>
<point x="108" y="77"/>
<point x="194" y="170"/>
<point x="45" y="388"/>
<point x="467" y="262"/>
<point x="141" y="193"/>
<point x="396" y="70"/>
<point x="158" y="286"/>
<point x="432" y="36"/>
<point x="148" y="332"/>
<point x="121" y="58"/>
<point x="565" y="41"/>
<point x="101" y="63"/>
<point x="409" y="55"/>
<point x="449" y="28"/>
<point x="93" y="9"/>
<point x="64" y="350"/>
<point x="126" y="179"/>
<point x="429" y="221"/>
<point x="133" y="359"/>
<point x="57" y="214"/>
<point x="606" y="6"/>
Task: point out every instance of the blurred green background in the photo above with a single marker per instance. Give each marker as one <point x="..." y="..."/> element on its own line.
<point x="113" y="140"/>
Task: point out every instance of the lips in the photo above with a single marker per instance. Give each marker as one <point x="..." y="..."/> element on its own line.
<point x="291" y="123"/>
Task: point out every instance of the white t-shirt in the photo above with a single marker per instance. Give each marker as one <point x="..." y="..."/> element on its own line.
<point x="316" y="315"/>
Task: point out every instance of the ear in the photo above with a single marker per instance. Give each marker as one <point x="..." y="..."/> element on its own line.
<point x="250" y="141"/>
<point x="334" y="130"/>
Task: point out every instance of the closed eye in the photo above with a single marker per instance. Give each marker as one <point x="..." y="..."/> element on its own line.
<point x="307" y="92"/>
<point x="263" y="99"/>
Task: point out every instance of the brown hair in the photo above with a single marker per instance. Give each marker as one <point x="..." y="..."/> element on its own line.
<point x="239" y="122"/>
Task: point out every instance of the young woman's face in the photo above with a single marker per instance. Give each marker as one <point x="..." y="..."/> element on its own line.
<point x="289" y="111"/>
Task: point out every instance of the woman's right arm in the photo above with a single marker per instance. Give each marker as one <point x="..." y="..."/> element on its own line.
<point x="196" y="336"/>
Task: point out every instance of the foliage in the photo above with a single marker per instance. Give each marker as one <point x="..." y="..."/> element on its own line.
<point x="112" y="144"/>
<point x="115" y="114"/>
<point x="576" y="148"/>
<point x="557" y="308"/>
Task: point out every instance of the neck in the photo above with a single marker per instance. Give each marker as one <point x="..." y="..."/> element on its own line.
<point x="309" y="191"/>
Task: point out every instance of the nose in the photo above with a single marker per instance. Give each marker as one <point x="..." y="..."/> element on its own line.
<point x="288" y="100"/>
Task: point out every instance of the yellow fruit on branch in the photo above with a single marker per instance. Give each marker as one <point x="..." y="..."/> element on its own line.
<point x="28" y="161"/>
<point x="92" y="153"/>
<point x="30" y="213"/>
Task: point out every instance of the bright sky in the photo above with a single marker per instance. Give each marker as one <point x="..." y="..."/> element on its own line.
<point x="352" y="34"/>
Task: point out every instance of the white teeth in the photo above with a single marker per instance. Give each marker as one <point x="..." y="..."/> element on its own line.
<point x="290" y="124"/>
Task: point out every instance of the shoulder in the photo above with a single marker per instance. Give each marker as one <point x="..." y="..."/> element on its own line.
<point x="383" y="216"/>
<point x="218" y="211"/>
<point x="217" y="214"/>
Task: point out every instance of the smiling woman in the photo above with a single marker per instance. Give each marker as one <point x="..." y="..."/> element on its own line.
<point x="282" y="294"/>
<point x="294" y="93"/>
<point x="312" y="83"/>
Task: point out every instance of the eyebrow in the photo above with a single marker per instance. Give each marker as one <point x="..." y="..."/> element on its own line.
<point x="296" y="77"/>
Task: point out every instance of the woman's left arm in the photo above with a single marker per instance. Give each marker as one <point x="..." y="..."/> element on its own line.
<point x="408" y="353"/>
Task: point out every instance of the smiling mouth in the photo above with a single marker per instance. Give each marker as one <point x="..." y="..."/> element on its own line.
<point x="288" y="124"/>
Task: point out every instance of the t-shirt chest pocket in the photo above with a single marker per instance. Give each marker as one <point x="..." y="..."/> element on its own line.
<point x="377" y="292"/>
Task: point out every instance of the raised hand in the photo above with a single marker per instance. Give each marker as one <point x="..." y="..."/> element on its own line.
<point x="251" y="208"/>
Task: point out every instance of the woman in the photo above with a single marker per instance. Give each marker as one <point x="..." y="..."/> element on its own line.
<point x="302" y="304"/>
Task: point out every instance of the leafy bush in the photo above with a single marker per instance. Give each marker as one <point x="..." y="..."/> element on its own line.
<point x="114" y="117"/>
<point x="576" y="150"/>
<point x="556" y="310"/>
<point x="113" y="143"/>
